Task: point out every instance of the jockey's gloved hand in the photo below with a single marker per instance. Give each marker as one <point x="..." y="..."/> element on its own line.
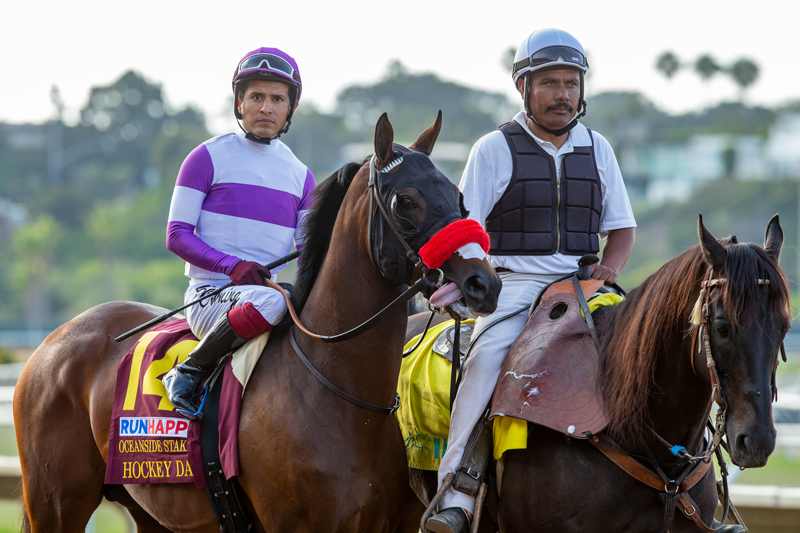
<point x="249" y="273"/>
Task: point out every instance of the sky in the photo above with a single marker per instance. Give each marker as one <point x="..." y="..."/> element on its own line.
<point x="192" y="48"/>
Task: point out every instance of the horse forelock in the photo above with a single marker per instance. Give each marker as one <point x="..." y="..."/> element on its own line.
<point x="656" y="317"/>
<point x="744" y="295"/>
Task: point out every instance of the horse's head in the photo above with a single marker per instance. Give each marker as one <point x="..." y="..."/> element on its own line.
<point x="414" y="207"/>
<point x="748" y="315"/>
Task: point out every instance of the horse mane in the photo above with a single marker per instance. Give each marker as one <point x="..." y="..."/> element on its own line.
<point x="318" y="228"/>
<point x="654" y="321"/>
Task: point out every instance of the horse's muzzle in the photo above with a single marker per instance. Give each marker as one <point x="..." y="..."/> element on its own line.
<point x="480" y="292"/>
<point x="751" y="448"/>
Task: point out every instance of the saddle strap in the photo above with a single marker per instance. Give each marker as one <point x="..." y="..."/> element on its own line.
<point x="643" y="474"/>
<point x="586" y="313"/>
<point x="689" y="509"/>
<point x="222" y="493"/>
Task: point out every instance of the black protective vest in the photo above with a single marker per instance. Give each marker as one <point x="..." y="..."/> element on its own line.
<point x="536" y="216"/>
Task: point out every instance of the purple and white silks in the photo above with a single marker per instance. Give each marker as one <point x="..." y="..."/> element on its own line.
<point x="237" y="200"/>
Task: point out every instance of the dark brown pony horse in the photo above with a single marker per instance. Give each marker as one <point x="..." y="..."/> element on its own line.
<point x="310" y="461"/>
<point x="563" y="485"/>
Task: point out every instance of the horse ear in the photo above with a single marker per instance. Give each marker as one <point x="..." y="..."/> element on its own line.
<point x="384" y="137"/>
<point x="773" y="239"/>
<point x="713" y="252"/>
<point x="428" y="138"/>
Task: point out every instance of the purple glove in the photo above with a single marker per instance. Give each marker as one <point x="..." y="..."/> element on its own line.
<point x="249" y="273"/>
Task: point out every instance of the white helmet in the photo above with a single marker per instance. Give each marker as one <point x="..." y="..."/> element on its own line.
<point x="547" y="48"/>
<point x="550" y="48"/>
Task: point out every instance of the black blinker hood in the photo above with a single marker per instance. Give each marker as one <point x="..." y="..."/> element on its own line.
<point x="443" y="205"/>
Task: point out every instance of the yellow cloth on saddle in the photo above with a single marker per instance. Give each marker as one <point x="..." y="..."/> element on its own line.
<point x="512" y="433"/>
<point x="424" y="413"/>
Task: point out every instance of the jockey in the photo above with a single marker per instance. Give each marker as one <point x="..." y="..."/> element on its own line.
<point x="546" y="189"/>
<point x="239" y="202"/>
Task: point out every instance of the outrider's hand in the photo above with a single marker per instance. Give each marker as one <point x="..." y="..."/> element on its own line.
<point x="599" y="271"/>
<point x="249" y="273"/>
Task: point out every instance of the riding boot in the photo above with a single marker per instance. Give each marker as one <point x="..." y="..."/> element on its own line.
<point x="450" y="520"/>
<point x="729" y="528"/>
<point x="182" y="381"/>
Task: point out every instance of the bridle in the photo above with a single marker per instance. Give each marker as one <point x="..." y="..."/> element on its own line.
<point x="425" y="281"/>
<point x="677" y="488"/>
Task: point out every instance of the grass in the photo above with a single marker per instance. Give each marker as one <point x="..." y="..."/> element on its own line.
<point x="108" y="518"/>
<point x="782" y="470"/>
<point x="8" y="441"/>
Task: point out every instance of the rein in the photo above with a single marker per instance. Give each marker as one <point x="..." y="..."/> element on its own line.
<point x="421" y="284"/>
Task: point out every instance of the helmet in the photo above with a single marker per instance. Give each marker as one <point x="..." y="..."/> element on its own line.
<point x="550" y="48"/>
<point x="269" y="64"/>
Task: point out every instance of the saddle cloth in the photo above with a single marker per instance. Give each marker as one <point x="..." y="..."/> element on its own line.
<point x="424" y="388"/>
<point x="148" y="441"/>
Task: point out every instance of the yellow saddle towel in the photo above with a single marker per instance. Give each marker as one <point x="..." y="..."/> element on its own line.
<point x="424" y="414"/>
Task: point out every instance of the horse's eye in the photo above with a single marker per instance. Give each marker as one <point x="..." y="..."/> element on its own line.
<point x="722" y="329"/>
<point x="405" y="202"/>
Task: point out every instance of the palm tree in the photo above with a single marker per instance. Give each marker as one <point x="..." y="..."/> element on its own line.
<point x="706" y="67"/>
<point x="744" y="73"/>
<point x="668" y="64"/>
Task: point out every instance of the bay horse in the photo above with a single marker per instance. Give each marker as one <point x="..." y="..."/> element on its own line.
<point x="656" y="381"/>
<point x="310" y="461"/>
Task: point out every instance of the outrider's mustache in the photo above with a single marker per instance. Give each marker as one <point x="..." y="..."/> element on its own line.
<point x="562" y="105"/>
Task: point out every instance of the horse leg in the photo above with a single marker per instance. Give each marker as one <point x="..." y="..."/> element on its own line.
<point x="65" y="505"/>
<point x="144" y="522"/>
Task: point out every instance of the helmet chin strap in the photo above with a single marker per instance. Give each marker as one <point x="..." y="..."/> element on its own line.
<point x="565" y="129"/>
<point x="262" y="140"/>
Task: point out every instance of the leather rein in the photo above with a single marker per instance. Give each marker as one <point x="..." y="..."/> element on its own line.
<point x="677" y="489"/>
<point x="423" y="283"/>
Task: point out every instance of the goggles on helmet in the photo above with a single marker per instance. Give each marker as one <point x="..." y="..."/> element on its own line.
<point x="553" y="54"/>
<point x="269" y="61"/>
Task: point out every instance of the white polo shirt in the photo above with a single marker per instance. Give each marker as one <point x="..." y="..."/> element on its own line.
<point x="488" y="173"/>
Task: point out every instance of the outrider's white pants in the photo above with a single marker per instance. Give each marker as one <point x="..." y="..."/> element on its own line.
<point x="482" y="369"/>
<point x="202" y="316"/>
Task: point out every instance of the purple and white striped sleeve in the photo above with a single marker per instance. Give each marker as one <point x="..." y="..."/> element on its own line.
<point x="303" y="210"/>
<point x="194" y="182"/>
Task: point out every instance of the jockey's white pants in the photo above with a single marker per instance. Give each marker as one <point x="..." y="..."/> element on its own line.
<point x="202" y="316"/>
<point x="482" y="370"/>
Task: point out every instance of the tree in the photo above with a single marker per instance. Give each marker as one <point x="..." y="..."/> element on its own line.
<point x="507" y="60"/>
<point x="706" y="67"/>
<point x="744" y="73"/>
<point x="413" y="100"/>
<point x="668" y="64"/>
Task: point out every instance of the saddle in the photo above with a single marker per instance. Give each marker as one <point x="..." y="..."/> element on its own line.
<point x="550" y="375"/>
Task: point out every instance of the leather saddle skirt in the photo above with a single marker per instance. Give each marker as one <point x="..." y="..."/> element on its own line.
<point x="550" y="375"/>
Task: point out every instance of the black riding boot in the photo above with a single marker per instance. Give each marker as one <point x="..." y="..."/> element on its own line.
<point x="182" y="381"/>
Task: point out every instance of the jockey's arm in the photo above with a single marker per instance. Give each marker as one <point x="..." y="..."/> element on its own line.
<point x="617" y="250"/>
<point x="193" y="184"/>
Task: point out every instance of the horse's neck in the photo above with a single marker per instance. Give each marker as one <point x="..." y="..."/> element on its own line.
<point x="681" y="396"/>
<point x="347" y="292"/>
